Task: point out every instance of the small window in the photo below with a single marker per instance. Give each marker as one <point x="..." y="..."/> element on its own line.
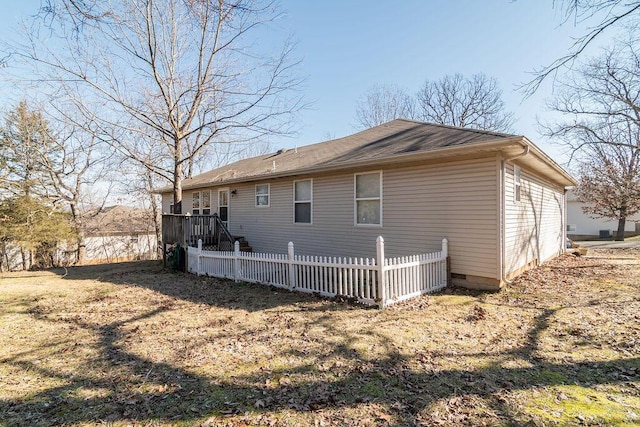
<point x="262" y="195"/>
<point x="368" y="198"/>
<point x="302" y="201"/>
<point x="571" y="227"/>
<point x="196" y="203"/>
<point x="171" y="209"/>
<point x="517" y="182"/>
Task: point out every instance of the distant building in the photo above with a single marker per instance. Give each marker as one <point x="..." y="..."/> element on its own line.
<point x="114" y="234"/>
<point x="580" y="225"/>
<point x="120" y="233"/>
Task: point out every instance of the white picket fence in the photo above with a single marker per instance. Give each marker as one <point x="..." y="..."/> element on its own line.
<point x="374" y="281"/>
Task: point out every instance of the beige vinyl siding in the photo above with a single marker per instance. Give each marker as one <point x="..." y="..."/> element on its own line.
<point x="167" y="200"/>
<point x="533" y="226"/>
<point x="421" y="205"/>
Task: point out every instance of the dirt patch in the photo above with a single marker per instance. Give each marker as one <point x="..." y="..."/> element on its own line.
<point x="132" y="344"/>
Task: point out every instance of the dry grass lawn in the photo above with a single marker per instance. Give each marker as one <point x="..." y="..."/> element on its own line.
<point x="131" y="344"/>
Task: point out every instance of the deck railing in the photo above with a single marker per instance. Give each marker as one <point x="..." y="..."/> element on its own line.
<point x="373" y="281"/>
<point x="187" y="230"/>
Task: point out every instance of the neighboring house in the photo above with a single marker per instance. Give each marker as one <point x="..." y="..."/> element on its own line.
<point x="497" y="198"/>
<point x="120" y="233"/>
<point x="581" y="225"/>
<point x="114" y="234"/>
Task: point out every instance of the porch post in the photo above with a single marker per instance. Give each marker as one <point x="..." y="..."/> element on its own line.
<point x="382" y="284"/>
<point x="292" y="267"/>
<point x="236" y="262"/>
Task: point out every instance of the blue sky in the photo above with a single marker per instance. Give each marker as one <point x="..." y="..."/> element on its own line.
<point x="348" y="46"/>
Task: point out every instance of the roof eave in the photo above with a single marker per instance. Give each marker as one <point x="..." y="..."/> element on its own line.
<point x="496" y="145"/>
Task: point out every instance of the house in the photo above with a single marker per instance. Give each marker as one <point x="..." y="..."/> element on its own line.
<point x="497" y="198"/>
<point x="112" y="234"/>
<point x="118" y="233"/>
<point x="582" y="226"/>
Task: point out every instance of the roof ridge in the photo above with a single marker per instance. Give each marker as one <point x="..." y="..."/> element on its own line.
<point x="481" y="131"/>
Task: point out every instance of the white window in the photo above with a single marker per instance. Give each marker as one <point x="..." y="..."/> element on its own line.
<point x="368" y="198"/>
<point x="517" y="184"/>
<point x="571" y="227"/>
<point x="201" y="203"/>
<point x="206" y="203"/>
<point x="195" y="206"/>
<point x="302" y="201"/>
<point x="262" y="195"/>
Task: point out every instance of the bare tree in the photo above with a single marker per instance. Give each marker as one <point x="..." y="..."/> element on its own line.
<point x="178" y="75"/>
<point x="601" y="96"/>
<point x="474" y="102"/>
<point x="600" y="107"/>
<point x="610" y="179"/>
<point x="77" y="165"/>
<point x="606" y="13"/>
<point x="383" y="103"/>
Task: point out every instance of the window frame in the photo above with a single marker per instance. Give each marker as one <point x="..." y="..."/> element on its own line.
<point x="517" y="184"/>
<point x="201" y="206"/>
<point x="356" y="199"/>
<point x="257" y="195"/>
<point x="193" y="203"/>
<point x="310" y="201"/>
<point x="204" y="207"/>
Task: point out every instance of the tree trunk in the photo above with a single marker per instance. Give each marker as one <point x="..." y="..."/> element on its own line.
<point x="620" y="232"/>
<point x="177" y="177"/>
<point x="81" y="250"/>
<point x="24" y="258"/>
<point x="154" y="214"/>
<point x="3" y="256"/>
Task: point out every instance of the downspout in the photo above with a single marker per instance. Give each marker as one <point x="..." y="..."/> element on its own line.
<point x="503" y="243"/>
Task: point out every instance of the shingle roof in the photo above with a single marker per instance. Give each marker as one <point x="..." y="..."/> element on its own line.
<point x="119" y="220"/>
<point x="396" y="138"/>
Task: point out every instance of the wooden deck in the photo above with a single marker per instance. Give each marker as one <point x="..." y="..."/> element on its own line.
<point x="186" y="230"/>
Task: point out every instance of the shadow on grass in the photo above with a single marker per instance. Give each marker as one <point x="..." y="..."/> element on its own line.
<point x="189" y="287"/>
<point x="134" y="388"/>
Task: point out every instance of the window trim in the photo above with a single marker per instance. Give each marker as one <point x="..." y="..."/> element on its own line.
<point x="310" y="201"/>
<point x="517" y="184"/>
<point x="268" y="195"/>
<point x="356" y="199"/>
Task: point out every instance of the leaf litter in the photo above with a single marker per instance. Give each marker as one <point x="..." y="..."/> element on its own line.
<point x="132" y="344"/>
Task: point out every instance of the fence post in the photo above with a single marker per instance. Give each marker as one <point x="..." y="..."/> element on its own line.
<point x="382" y="284"/>
<point x="292" y="267"/>
<point x="199" y="259"/>
<point x="236" y="261"/>
<point x="445" y="254"/>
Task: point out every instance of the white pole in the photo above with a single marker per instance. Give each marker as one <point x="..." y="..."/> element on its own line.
<point x="199" y="259"/>
<point x="382" y="285"/>
<point x="292" y="267"/>
<point x="236" y="262"/>
<point x="445" y="254"/>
